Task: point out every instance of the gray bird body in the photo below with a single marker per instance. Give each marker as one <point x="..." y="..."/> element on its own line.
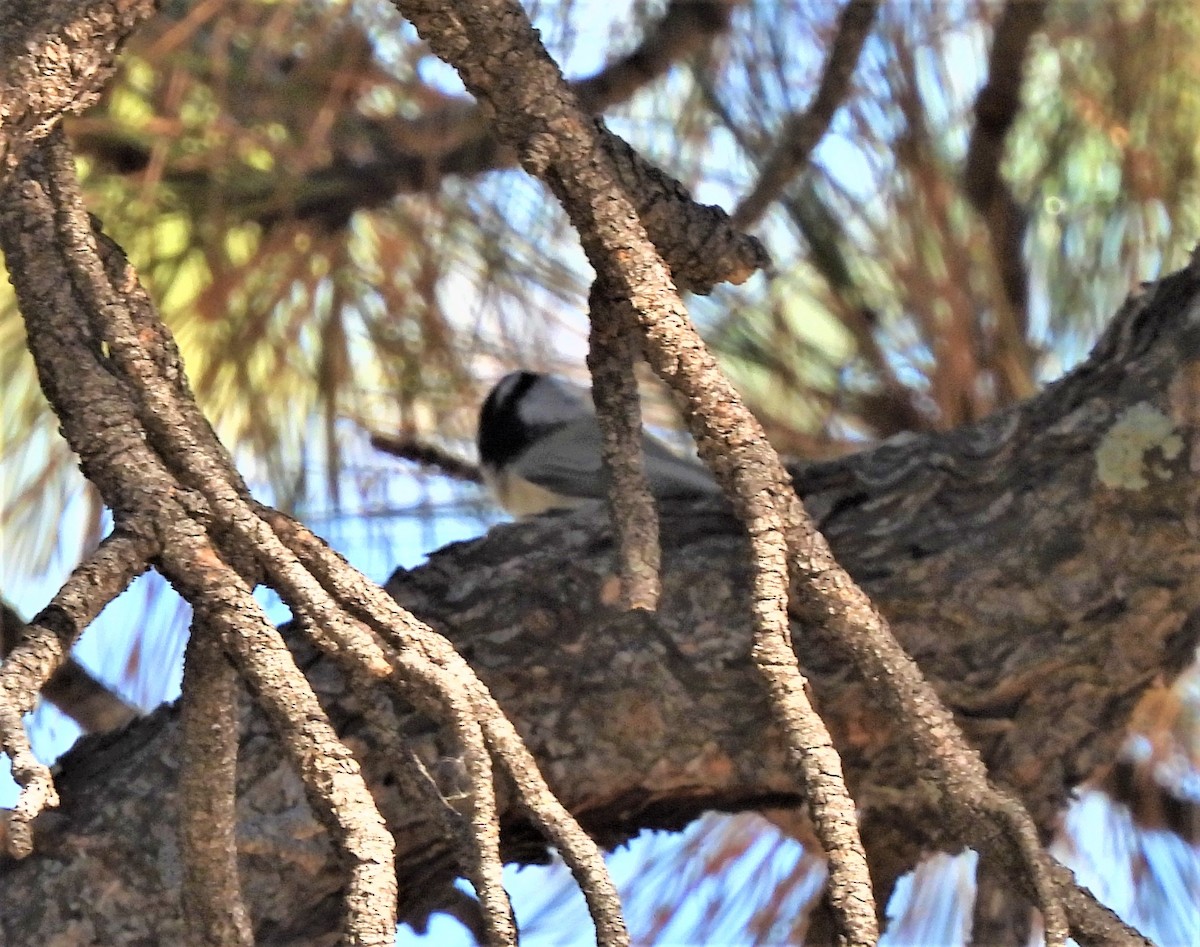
<point x="540" y="449"/>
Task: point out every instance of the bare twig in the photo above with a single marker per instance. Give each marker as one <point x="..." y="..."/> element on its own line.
<point x="212" y="898"/>
<point x="72" y="689"/>
<point x="1091" y="921"/>
<point x="611" y="354"/>
<point x="802" y="131"/>
<point x="427" y="455"/>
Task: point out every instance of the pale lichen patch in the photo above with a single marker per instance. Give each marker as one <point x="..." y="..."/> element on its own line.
<point x="1122" y="457"/>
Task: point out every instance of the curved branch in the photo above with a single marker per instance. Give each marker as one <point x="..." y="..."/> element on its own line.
<point x="42" y="651"/>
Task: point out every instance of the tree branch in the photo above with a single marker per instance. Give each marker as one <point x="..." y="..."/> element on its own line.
<point x="427" y="455"/>
<point x="55" y="57"/>
<point x="611" y="354"/>
<point x="42" y="651"/>
<point x="802" y="132"/>
<point x="686" y="28"/>
<point x="996" y="109"/>
<point x="71" y="688"/>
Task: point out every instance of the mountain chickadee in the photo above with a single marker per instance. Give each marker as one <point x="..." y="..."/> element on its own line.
<point x="539" y="449"/>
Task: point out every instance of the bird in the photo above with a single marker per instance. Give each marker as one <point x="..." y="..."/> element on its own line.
<point x="540" y="449"/>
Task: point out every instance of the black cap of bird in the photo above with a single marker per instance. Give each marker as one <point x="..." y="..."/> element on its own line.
<point x="540" y="449"/>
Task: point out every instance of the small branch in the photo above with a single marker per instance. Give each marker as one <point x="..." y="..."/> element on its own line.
<point x="71" y="688"/>
<point x="1091" y="922"/>
<point x="698" y="242"/>
<point x="485" y="868"/>
<point x="996" y="109"/>
<point x="802" y="132"/>
<point x="440" y="694"/>
<point x="379" y="711"/>
<point x="41" y="651"/>
<point x="212" y="898"/>
<point x="427" y="455"/>
<point x="33" y="776"/>
<point x="618" y="411"/>
<point x="45" y="642"/>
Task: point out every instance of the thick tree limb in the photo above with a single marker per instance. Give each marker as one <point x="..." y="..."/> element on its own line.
<point x="1040" y="566"/>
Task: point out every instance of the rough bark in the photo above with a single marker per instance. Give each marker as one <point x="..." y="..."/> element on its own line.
<point x="1041" y="566"/>
<point x="55" y="56"/>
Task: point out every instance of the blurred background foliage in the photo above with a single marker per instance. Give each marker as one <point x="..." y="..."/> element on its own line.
<point x="341" y="250"/>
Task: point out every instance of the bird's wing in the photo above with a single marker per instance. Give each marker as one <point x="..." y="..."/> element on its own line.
<point x="672" y="476"/>
<point x="568" y="462"/>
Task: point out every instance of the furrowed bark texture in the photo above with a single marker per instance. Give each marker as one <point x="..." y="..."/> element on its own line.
<point x="1041" y="566"/>
<point x="55" y="56"/>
